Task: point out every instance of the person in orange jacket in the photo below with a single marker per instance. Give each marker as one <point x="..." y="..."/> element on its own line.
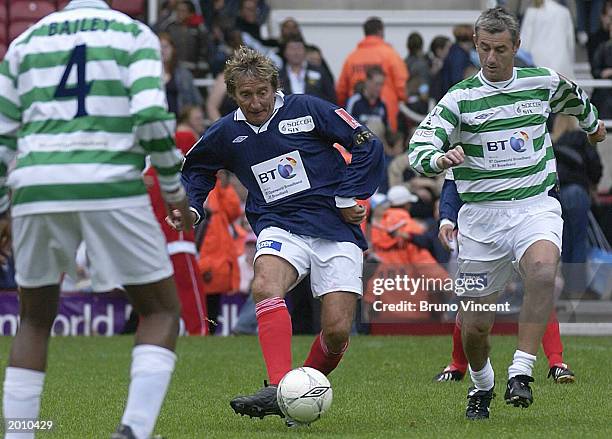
<point x="373" y="50"/>
<point x="218" y="253"/>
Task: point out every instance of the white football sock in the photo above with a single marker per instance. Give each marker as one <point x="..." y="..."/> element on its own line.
<point x="21" y="396"/>
<point x="522" y="364"/>
<point x="151" y="371"/>
<point x="483" y="379"/>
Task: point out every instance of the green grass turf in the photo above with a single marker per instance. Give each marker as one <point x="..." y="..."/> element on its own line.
<point x="382" y="389"/>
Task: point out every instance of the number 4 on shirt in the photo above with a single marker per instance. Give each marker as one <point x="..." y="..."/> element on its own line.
<point x="82" y="88"/>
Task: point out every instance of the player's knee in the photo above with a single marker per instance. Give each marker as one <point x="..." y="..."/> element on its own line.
<point x="336" y="336"/>
<point x="477" y="328"/>
<point x="541" y="273"/>
<point x="263" y="289"/>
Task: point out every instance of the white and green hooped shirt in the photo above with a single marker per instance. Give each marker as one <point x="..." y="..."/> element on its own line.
<point x="82" y="104"/>
<point x="502" y="129"/>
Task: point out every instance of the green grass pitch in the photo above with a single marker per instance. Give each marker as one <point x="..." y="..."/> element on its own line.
<point x="382" y="389"/>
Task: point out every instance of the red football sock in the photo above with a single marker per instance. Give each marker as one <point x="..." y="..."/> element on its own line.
<point x="458" y="359"/>
<point x="551" y="341"/>
<point x="321" y="359"/>
<point x="274" y="325"/>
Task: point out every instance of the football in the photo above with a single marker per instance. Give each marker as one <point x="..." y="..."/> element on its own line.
<point x="304" y="394"/>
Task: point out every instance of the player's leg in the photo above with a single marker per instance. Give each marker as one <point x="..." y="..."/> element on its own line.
<point x="475" y="332"/>
<point x="43" y="246"/>
<point x="335" y="277"/>
<point x="553" y="349"/>
<point x="273" y="277"/>
<point x="459" y="363"/>
<point x="337" y="315"/>
<point x="24" y="377"/>
<point x="126" y="247"/>
<point x="537" y="247"/>
<point x="281" y="261"/>
<point x="153" y="357"/>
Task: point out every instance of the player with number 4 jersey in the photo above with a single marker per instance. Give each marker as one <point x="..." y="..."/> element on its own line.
<point x="81" y="105"/>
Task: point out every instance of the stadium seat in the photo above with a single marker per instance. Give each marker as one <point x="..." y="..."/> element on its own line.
<point x="3" y="22"/>
<point x="134" y="8"/>
<point x="18" y="27"/>
<point x="61" y="4"/>
<point x="2" y="51"/>
<point x="30" y="10"/>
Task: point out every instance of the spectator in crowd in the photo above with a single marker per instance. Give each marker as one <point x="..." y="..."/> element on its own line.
<point x="438" y="50"/>
<point x="601" y="68"/>
<point x="299" y="77"/>
<point x="315" y="57"/>
<point x="261" y="10"/>
<point x="180" y="89"/>
<point x="371" y="51"/>
<point x="417" y="88"/>
<point x="219" y="103"/>
<point x="167" y="15"/>
<point x="190" y="126"/>
<point x="248" y="21"/>
<point x="602" y="35"/>
<point x="218" y="257"/>
<point x="190" y="37"/>
<point x="579" y="170"/>
<point x="588" y="13"/>
<point x="547" y="32"/>
<point x="289" y="27"/>
<point x="367" y="105"/>
<point x="458" y="58"/>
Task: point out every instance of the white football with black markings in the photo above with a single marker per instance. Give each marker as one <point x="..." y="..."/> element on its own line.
<point x="304" y="395"/>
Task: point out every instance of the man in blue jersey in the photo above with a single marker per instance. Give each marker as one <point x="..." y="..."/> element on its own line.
<point x="301" y="204"/>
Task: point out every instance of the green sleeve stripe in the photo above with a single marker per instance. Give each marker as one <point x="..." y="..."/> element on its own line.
<point x="564" y="95"/>
<point x="169" y="171"/>
<point x="5" y="70"/>
<point x="9" y="109"/>
<point x="9" y="141"/>
<point x="38" y="158"/>
<point x="158" y="145"/>
<point x="529" y="72"/>
<point x="449" y="116"/>
<point x="146" y="83"/>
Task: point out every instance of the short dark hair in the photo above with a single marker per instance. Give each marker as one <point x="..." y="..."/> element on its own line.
<point x="438" y="43"/>
<point x="415" y="42"/>
<point x="374" y="70"/>
<point x="496" y="20"/>
<point x="373" y="26"/>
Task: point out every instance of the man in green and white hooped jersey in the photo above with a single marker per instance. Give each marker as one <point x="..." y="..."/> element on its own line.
<point x="491" y="130"/>
<point x="81" y="106"/>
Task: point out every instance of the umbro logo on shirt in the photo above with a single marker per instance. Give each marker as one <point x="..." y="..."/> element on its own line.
<point x="239" y="139"/>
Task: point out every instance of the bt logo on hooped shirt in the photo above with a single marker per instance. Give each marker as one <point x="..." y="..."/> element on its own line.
<point x="517" y="141"/>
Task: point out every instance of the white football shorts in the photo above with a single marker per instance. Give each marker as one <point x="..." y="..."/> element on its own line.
<point x="493" y="237"/>
<point x="124" y="247"/>
<point x="333" y="266"/>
